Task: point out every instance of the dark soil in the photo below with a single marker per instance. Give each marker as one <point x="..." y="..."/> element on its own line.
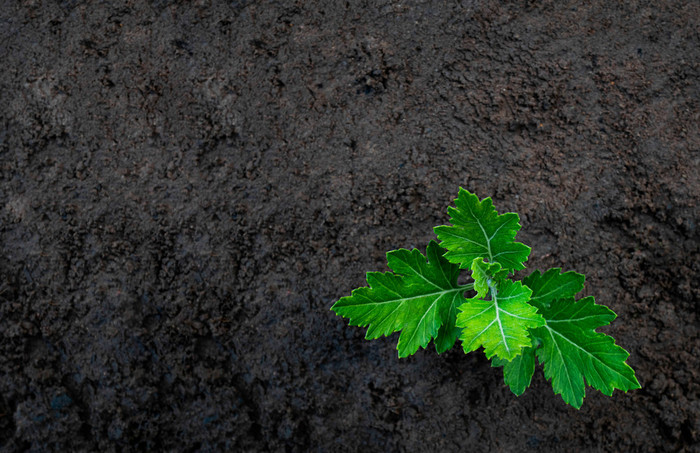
<point x="186" y="188"/>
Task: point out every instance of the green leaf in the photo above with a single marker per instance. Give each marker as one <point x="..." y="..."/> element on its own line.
<point x="516" y="323"/>
<point x="553" y="285"/>
<point x="571" y="350"/>
<point x="517" y="373"/>
<point x="484" y="273"/>
<point x="417" y="299"/>
<point x="500" y="324"/>
<point x="448" y="333"/>
<point x="478" y="231"/>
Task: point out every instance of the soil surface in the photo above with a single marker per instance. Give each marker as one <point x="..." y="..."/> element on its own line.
<point x="186" y="188"/>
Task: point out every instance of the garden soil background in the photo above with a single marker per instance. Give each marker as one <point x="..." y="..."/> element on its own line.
<point x="187" y="187"/>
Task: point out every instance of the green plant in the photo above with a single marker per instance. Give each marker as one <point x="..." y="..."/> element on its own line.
<point x="513" y="321"/>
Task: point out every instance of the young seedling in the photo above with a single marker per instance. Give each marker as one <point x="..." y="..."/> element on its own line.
<point x="513" y="321"/>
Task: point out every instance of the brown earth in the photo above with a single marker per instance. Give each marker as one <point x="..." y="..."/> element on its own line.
<point x="186" y="188"/>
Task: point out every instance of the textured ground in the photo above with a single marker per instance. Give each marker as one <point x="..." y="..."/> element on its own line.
<point x="185" y="189"/>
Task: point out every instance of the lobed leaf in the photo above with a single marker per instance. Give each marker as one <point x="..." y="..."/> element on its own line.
<point x="500" y="324"/>
<point x="517" y="374"/>
<point x="572" y="352"/>
<point x="478" y="231"/>
<point x="553" y="285"/>
<point x="483" y="273"/>
<point x="448" y="332"/>
<point x="516" y="323"/>
<point x="418" y="299"/>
